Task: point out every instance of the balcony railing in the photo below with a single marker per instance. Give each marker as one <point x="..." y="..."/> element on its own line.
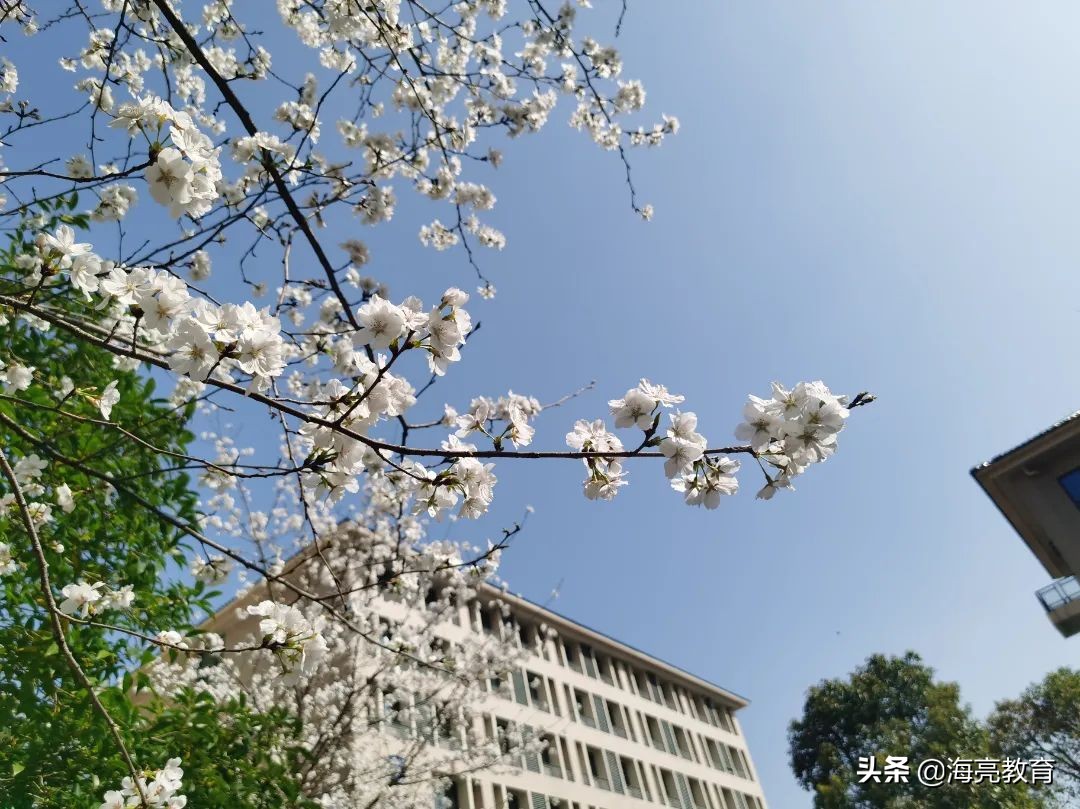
<point x="1059" y="593"/>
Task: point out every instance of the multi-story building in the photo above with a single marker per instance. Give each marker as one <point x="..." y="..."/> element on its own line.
<point x="622" y="729"/>
<point x="1037" y="488"/>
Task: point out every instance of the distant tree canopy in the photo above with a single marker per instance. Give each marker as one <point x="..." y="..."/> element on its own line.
<point x="891" y="706"/>
<point x="1044" y="722"/>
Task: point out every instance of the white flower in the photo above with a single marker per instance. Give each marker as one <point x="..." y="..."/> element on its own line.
<point x="62" y="246"/>
<point x="357" y="250"/>
<point x="114" y="202"/>
<point x="604" y="481"/>
<point x="593" y="436"/>
<point x="684" y="425"/>
<point x="297" y="641"/>
<point x="634" y="409"/>
<point x="83" y="274"/>
<point x="28" y="469"/>
<point x="40" y="513"/>
<point x="108" y="399"/>
<point x="159" y="790"/>
<point x="211" y="570"/>
<point x="705" y="488"/>
<point x="193" y="353"/>
<point x="126" y="286"/>
<point x="79" y="166"/>
<point x="81" y="598"/>
<point x="637" y="406"/>
<point x="171" y="181"/>
<point x="64" y="498"/>
<point x="680" y="454"/>
<point x="170" y="637"/>
<point x="761" y="425"/>
<point x="773" y="485"/>
<point x="200" y="265"/>
<point x="17" y="377"/>
<point x="7" y="563"/>
<point x="382" y="322"/>
<point x="475" y="420"/>
<point x="122" y="598"/>
<point x="9" y="76"/>
<point x="162" y="306"/>
<point x="479" y="483"/>
<point x="260" y="353"/>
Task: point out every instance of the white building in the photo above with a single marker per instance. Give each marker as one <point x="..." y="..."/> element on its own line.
<point x="623" y="729"/>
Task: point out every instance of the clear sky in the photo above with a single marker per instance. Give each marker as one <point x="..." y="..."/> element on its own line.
<point x="880" y="195"/>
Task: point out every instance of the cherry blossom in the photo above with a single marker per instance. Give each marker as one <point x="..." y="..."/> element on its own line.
<point x="225" y="249"/>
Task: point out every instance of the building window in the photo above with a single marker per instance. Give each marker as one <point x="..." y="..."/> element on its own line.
<point x="1070" y="482"/>
<point x="630" y="777"/>
<point x="449" y="798"/>
<point x="596" y="768"/>
<point x="536" y="691"/>
<point x="549" y="756"/>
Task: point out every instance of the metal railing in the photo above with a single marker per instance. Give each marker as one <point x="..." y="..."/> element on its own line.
<point x="1059" y="593"/>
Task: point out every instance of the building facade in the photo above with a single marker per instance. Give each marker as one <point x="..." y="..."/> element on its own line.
<point x="623" y="729"/>
<point x="1036" y="486"/>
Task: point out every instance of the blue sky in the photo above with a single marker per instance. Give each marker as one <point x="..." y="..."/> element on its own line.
<point x="880" y="195"/>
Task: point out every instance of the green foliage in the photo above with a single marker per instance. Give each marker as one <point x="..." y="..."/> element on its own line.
<point x="1044" y="723"/>
<point x="891" y="706"/>
<point x="54" y="750"/>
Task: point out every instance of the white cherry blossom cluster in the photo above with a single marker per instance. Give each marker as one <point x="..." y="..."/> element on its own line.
<point x="28" y="471"/>
<point x="211" y="570"/>
<point x="84" y="600"/>
<point x="467" y="480"/>
<point x="198" y="336"/>
<point x="7" y="561"/>
<point x="183" y="176"/>
<point x="15" y="377"/>
<point x="504" y="419"/>
<point x="297" y="642"/>
<point x="440" y="332"/>
<point x="604" y="476"/>
<point x="158" y="788"/>
<point x="792" y="430"/>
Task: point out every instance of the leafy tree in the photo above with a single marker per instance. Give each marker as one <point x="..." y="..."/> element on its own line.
<point x="1044" y="722"/>
<point x="890" y="706"/>
<point x="55" y="747"/>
